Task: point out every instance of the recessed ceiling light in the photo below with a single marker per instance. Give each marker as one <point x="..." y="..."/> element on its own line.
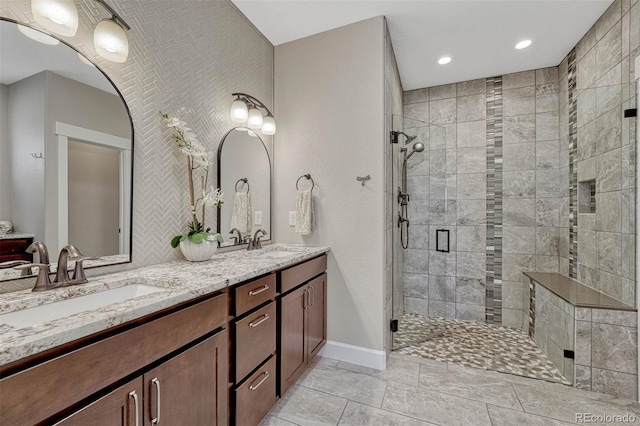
<point x="444" y="60"/>
<point x="523" y="44"/>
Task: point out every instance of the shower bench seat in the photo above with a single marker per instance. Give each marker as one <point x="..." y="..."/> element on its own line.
<point x="589" y="336"/>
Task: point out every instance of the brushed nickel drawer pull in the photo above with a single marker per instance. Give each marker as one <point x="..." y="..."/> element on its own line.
<point x="155" y="382"/>
<point x="266" y="376"/>
<point x="263" y="319"/>
<point x="258" y="291"/>
<point x="134" y="396"/>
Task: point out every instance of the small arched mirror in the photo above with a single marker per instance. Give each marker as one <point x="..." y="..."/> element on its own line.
<point x="244" y="177"/>
<point x="66" y="149"/>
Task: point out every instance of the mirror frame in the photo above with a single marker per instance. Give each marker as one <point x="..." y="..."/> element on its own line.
<point x="218" y="177"/>
<point x="127" y="109"/>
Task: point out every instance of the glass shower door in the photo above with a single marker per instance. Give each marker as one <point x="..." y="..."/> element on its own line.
<point x="421" y="209"/>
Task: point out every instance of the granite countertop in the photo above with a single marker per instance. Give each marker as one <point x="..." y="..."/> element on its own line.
<point x="576" y="293"/>
<point x="15" y="236"/>
<point x="179" y="281"/>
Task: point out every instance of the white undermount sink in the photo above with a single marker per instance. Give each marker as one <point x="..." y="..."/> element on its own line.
<point x="279" y="254"/>
<point x="55" y="310"/>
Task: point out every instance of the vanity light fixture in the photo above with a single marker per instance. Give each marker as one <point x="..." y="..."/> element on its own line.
<point x="444" y="60"/>
<point x="57" y="16"/>
<point x="61" y="17"/>
<point x="247" y="109"/>
<point x="523" y="44"/>
<point x="110" y="37"/>
<point x="38" y="36"/>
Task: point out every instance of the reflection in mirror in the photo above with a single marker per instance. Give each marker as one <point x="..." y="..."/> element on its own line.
<point x="244" y="176"/>
<point x="66" y="147"/>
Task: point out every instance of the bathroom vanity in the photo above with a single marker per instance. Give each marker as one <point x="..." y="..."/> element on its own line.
<point x="219" y="343"/>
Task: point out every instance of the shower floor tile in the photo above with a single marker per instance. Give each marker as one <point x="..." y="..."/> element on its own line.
<point x="476" y="345"/>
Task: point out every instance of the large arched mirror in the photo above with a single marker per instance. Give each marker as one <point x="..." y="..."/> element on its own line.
<point x="66" y="149"/>
<point x="244" y="177"/>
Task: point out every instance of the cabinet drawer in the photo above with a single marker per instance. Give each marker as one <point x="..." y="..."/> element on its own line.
<point x="293" y="277"/>
<point x="255" y="339"/>
<point x="254" y="293"/>
<point x="257" y="395"/>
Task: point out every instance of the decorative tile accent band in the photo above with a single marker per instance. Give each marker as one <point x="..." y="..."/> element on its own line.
<point x="573" y="167"/>
<point x="493" y="300"/>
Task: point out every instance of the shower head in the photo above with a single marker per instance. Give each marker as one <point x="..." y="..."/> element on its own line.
<point x="417" y="147"/>
<point x="410" y="139"/>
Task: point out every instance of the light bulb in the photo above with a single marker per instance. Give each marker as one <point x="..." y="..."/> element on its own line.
<point x="38" y="36"/>
<point x="254" y="119"/>
<point x="444" y="60"/>
<point x="110" y="41"/>
<point x="238" y="111"/>
<point x="58" y="16"/>
<point x="269" y="126"/>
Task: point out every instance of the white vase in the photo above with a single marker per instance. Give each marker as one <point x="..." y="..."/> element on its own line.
<point x="198" y="252"/>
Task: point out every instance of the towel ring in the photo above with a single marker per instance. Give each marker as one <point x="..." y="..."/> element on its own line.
<point x="245" y="180"/>
<point x="308" y="176"/>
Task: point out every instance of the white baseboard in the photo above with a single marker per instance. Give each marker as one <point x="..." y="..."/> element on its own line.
<point x="355" y="355"/>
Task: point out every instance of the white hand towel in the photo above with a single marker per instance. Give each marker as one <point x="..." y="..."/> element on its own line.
<point x="305" y="217"/>
<point x="241" y="216"/>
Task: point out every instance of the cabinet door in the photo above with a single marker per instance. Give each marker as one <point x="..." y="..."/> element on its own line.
<point x="122" y="407"/>
<point x="293" y="350"/>
<point x="190" y="388"/>
<point x="316" y="331"/>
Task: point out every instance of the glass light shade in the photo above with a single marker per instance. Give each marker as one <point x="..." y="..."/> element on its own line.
<point x="38" y="36"/>
<point x="252" y="134"/>
<point x="238" y="111"/>
<point x="58" y="16"/>
<point x="255" y="119"/>
<point x="269" y="126"/>
<point x="110" y="41"/>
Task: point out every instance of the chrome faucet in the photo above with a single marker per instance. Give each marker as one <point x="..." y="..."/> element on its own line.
<point x="255" y="243"/>
<point x="236" y="240"/>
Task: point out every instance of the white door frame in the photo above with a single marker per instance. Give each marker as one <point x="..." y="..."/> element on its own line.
<point x="64" y="132"/>
<point x="637" y="83"/>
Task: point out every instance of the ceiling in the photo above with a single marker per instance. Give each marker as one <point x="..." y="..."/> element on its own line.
<point x="479" y="35"/>
<point x="21" y="57"/>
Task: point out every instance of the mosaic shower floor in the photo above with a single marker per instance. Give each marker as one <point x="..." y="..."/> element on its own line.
<point x="474" y="344"/>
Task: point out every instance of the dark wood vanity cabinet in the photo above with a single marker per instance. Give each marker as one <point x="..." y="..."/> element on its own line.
<point x="303" y="329"/>
<point x="15" y="249"/>
<point x="185" y="349"/>
<point x="220" y="359"/>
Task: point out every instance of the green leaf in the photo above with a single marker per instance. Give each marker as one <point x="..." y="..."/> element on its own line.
<point x="175" y="241"/>
<point x="197" y="238"/>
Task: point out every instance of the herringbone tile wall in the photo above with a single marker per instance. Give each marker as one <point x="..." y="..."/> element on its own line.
<point x="186" y="57"/>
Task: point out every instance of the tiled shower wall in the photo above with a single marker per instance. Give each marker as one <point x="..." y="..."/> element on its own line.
<point x="603" y="256"/>
<point x="538" y="111"/>
<point x="185" y="60"/>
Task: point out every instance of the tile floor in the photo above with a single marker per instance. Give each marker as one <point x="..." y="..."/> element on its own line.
<point x="418" y="391"/>
<point x="474" y="344"/>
